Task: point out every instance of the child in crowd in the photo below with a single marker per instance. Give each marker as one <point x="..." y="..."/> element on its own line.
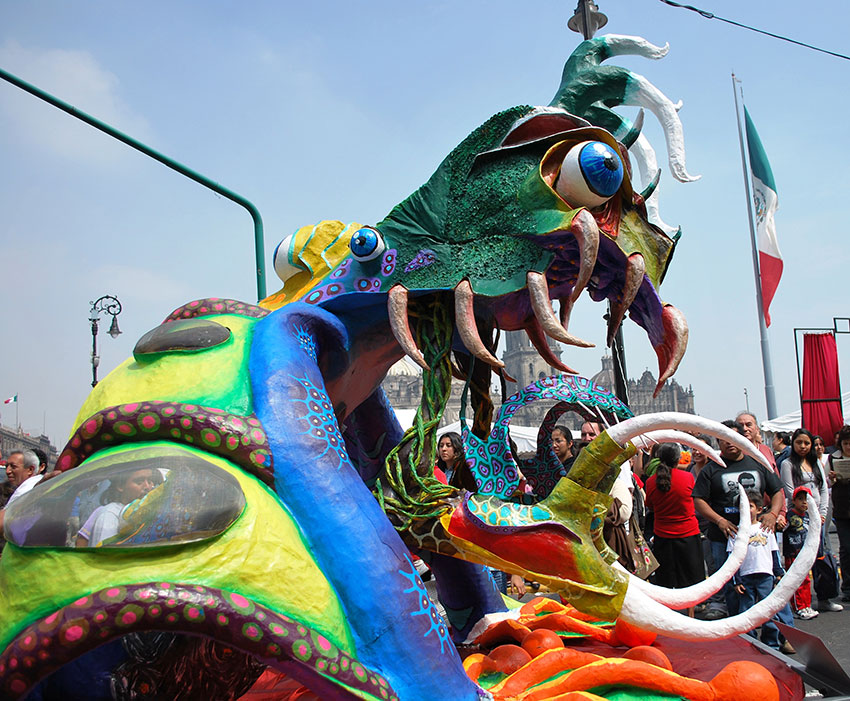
<point x="792" y="542"/>
<point x="758" y="572"/>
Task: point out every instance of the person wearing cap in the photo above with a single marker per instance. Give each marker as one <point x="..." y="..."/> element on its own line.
<point x="792" y="543"/>
<point x="802" y="469"/>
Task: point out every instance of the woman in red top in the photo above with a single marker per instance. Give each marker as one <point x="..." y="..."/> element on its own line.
<point x="677" y="540"/>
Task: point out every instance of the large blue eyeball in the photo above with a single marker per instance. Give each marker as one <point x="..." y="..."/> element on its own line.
<point x="591" y="174"/>
<point x="367" y="244"/>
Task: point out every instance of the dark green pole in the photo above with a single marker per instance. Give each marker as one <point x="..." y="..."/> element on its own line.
<point x="259" y="253"/>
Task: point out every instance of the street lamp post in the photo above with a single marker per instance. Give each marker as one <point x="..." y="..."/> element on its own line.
<point x="109" y="305"/>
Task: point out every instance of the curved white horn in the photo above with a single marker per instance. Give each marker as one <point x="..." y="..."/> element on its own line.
<point x="673" y="436"/>
<point x="689" y="596"/>
<point x="638" y="425"/>
<point x="641" y="610"/>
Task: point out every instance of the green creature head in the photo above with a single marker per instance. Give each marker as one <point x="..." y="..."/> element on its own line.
<point x="535" y="205"/>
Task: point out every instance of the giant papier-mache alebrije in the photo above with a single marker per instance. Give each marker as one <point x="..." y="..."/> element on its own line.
<point x="279" y="535"/>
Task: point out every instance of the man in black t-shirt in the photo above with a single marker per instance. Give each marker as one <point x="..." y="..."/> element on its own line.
<point x="716" y="495"/>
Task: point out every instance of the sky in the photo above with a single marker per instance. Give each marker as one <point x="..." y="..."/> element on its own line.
<point x="339" y="110"/>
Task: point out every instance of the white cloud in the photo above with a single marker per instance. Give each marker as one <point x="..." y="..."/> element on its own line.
<point x="76" y="78"/>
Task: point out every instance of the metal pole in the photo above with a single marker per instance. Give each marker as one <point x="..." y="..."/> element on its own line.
<point x="769" y="394"/>
<point x="111" y="305"/>
<point x="95" y="361"/>
<point x="586" y="31"/>
<point x="259" y="254"/>
<point x="618" y="351"/>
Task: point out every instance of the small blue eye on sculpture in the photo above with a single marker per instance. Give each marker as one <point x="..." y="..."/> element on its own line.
<point x="591" y="174"/>
<point x="367" y="244"/>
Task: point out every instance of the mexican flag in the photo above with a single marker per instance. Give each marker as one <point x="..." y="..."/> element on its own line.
<point x="11" y="399"/>
<point x="765" y="203"/>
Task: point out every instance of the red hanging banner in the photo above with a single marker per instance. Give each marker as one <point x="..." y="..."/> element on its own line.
<point x="822" y="413"/>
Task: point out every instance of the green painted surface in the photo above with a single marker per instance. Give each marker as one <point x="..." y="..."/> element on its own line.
<point x="262" y="556"/>
<point x="215" y="377"/>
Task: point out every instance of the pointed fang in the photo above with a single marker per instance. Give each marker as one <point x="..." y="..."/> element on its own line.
<point x="646" y="193"/>
<point x="634" y="132"/>
<point x="586" y="232"/>
<point x="635" y="270"/>
<point x="672" y="348"/>
<point x="400" y="325"/>
<point x="466" y="327"/>
<point x="565" y="311"/>
<point x="538" y="293"/>
<point x="538" y="340"/>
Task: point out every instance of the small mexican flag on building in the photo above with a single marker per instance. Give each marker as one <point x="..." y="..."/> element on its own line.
<point x="11" y="399"/>
<point x="765" y="203"/>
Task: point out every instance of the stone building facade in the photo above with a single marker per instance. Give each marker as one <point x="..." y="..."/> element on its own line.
<point x="523" y="362"/>
<point x="403" y="386"/>
<point x="672" y="397"/>
<point x="15" y="439"/>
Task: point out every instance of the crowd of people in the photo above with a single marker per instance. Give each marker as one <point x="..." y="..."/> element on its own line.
<point x="682" y="507"/>
<point x="692" y="507"/>
<point x="673" y="516"/>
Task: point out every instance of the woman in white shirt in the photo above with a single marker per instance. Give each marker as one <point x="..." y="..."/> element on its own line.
<point x="105" y="521"/>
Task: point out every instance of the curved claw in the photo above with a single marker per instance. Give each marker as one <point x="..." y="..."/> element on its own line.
<point x="643" y="611"/>
<point x="400" y="325"/>
<point x="538" y="340"/>
<point x="566" y="309"/>
<point x="538" y="294"/>
<point x="672" y="349"/>
<point x="646" y="193"/>
<point x="635" y="270"/>
<point x="586" y="232"/>
<point x="673" y="436"/>
<point x="634" y="132"/>
<point x="690" y="596"/>
<point x="466" y="327"/>
<point x="626" y="430"/>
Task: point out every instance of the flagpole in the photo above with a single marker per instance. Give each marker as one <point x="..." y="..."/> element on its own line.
<point x="769" y="393"/>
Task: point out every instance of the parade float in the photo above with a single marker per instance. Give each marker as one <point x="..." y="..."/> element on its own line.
<point x="285" y="503"/>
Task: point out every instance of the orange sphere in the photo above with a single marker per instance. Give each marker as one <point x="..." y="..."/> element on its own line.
<point x="632" y="636"/>
<point x="652" y="655"/>
<point x="541" y="640"/>
<point x="507" y="659"/>
<point x="744" y="679"/>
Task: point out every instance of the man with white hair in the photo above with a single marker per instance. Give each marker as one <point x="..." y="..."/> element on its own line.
<point x="752" y="432"/>
<point x="22" y="472"/>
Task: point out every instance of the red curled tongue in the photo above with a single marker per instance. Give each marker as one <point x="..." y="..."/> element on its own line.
<point x="671" y="350"/>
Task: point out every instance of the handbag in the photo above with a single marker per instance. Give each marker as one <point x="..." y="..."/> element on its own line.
<point x="642" y="557"/>
<point x="825" y="576"/>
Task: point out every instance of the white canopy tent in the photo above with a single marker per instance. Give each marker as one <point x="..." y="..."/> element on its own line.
<point x="792" y="421"/>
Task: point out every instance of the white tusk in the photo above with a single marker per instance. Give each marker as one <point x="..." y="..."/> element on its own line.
<point x="644" y="612"/>
<point x="623" y="432"/>
<point x="694" y="594"/>
<point x="673" y="436"/>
